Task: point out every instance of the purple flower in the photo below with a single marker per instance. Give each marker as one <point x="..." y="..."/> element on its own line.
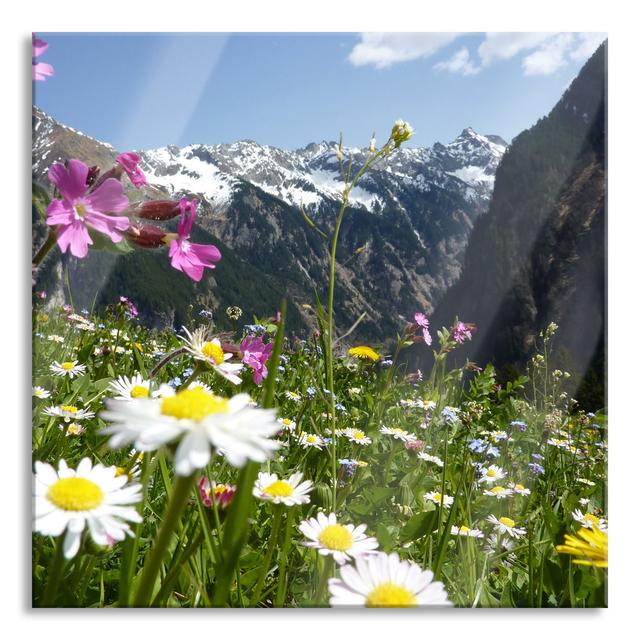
<point x="255" y="353"/>
<point x="131" y="308"/>
<point x="461" y="331"/>
<point x="421" y="321"/>
<point x="185" y="255"/>
<point x="537" y="469"/>
<point x="129" y="162"/>
<point x="519" y="424"/>
<point x="79" y="210"/>
<point x="39" y="70"/>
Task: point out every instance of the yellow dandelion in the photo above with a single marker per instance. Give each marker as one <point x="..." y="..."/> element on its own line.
<point x="364" y="353"/>
<point x="591" y="545"/>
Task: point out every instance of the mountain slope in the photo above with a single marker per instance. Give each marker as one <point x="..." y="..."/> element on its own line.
<point x="402" y="241"/>
<point x="538" y="254"/>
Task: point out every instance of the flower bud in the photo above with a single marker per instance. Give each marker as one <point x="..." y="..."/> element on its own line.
<point x="157" y="209"/>
<point x="401" y="132"/>
<point x="147" y="236"/>
<point x="372" y="143"/>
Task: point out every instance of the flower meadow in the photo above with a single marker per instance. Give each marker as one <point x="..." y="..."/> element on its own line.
<point x="190" y="467"/>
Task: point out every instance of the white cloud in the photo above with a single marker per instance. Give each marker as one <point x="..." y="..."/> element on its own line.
<point x="588" y="43"/>
<point x="543" y="53"/>
<point x="550" y="56"/>
<point x="460" y="62"/>
<point x="384" y="49"/>
<point x="502" y="46"/>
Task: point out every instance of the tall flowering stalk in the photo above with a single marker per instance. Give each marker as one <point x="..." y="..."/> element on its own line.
<point x="401" y="132"/>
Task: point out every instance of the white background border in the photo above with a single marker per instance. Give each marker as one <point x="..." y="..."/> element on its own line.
<point x="326" y="15"/>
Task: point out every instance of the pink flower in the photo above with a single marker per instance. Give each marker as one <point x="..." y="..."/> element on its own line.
<point x="129" y="162"/>
<point x="222" y="493"/>
<point x="39" y="70"/>
<point x="79" y="210"/>
<point x="461" y="332"/>
<point x="255" y="354"/>
<point x="185" y="255"/>
<point x="421" y="321"/>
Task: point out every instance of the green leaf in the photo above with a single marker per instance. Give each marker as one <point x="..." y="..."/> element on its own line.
<point x="419" y="526"/>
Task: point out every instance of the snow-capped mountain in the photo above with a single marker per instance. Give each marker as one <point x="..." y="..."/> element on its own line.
<point x="311" y="176"/>
<point x="402" y="241"/>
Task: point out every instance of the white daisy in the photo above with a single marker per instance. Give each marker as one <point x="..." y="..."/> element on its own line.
<point x="589" y="520"/>
<point x="589" y="483"/>
<point x="383" y="580"/>
<point x="463" y="530"/>
<point x="437" y="498"/>
<point x="498" y="492"/>
<point x="70" y="369"/>
<point x="55" y="338"/>
<point x="68" y="412"/>
<point x="200" y="421"/>
<point x="287" y="424"/>
<point x="311" y="440"/>
<point x="492" y="474"/>
<point x="357" y="436"/>
<point x="343" y="542"/>
<point x="197" y="384"/>
<point x="288" y="492"/>
<point x="429" y="458"/>
<point x="399" y="434"/>
<point x="292" y="395"/>
<point x="520" y="489"/>
<point x="211" y="352"/>
<point x="74" y="429"/>
<point x="127" y="388"/>
<point x="506" y="525"/>
<point x="90" y="496"/>
<point x="40" y="392"/>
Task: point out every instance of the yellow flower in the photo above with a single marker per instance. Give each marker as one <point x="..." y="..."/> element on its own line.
<point x="364" y="353"/>
<point x="592" y="545"/>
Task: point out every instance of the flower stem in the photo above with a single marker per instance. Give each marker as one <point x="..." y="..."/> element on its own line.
<point x="282" y="564"/>
<point x="55" y="573"/>
<point x="266" y="563"/>
<point x="47" y="245"/>
<point x="153" y="562"/>
<point x="327" y="568"/>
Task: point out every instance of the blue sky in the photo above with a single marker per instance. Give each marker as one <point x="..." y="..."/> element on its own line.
<point x="139" y="91"/>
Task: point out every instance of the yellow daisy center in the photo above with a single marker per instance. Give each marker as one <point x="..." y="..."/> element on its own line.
<point x="336" y="537"/>
<point x="464" y="529"/>
<point x="492" y="473"/>
<point x="358" y="435"/>
<point x="437" y="497"/>
<point x="498" y="490"/>
<point x="193" y="404"/>
<point x="75" y="494"/>
<point x="312" y="439"/>
<point x="213" y="351"/>
<point x="507" y="522"/>
<point x="286" y="422"/>
<point x="67" y="366"/>
<point x="365" y="353"/>
<point x="388" y="594"/>
<point x="69" y="408"/>
<point x="120" y="471"/>
<point x="520" y="487"/>
<point x="138" y="391"/>
<point x="280" y="488"/>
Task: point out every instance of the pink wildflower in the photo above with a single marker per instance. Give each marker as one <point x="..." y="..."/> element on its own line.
<point x="129" y="162"/>
<point x="185" y="255"/>
<point x="421" y="321"/>
<point x="255" y="354"/>
<point x="461" y="332"/>
<point x="39" y="70"/>
<point x="222" y="493"/>
<point x="79" y="210"/>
